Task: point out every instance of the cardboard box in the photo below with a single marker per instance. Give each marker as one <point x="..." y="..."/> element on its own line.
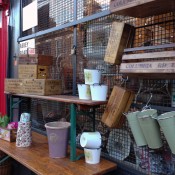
<point x="13" y="85"/>
<point x="33" y="71"/>
<point x="8" y="134"/>
<point x="42" y="86"/>
<point x="43" y="60"/>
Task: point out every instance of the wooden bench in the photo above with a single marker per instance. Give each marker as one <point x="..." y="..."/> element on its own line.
<point x="73" y="101"/>
<point x="36" y="158"/>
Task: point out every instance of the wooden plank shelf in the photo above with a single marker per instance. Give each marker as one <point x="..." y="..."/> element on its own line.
<point x="141" y="8"/>
<point x="62" y="98"/>
<point x="36" y="158"/>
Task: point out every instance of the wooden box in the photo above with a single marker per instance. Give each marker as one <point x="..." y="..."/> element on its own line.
<point x="153" y="64"/>
<point x="13" y="85"/>
<point x="33" y="71"/>
<point x="8" y="134"/>
<point x="141" y="8"/>
<point x="119" y="103"/>
<point x="43" y="60"/>
<point x="42" y="86"/>
<point x="120" y="38"/>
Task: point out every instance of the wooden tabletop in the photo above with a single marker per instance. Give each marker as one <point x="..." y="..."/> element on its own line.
<point x="63" y="98"/>
<point x="36" y="158"/>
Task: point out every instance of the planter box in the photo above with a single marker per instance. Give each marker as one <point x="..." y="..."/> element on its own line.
<point x="42" y="86"/>
<point x="13" y="85"/>
<point x="33" y="71"/>
<point x="43" y="60"/>
<point x="119" y="102"/>
<point x="8" y="134"/>
<point x="121" y="36"/>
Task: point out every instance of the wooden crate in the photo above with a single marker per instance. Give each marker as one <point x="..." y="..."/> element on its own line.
<point x="43" y="60"/>
<point x="33" y="71"/>
<point x="141" y="8"/>
<point x="42" y="86"/>
<point x="150" y="63"/>
<point x="13" y="85"/>
<point x="121" y="36"/>
<point x="8" y="134"/>
<point x="119" y="102"/>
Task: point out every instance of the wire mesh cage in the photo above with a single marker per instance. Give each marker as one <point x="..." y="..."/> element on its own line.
<point x="92" y="39"/>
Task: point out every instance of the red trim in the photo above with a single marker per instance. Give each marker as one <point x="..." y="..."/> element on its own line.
<point x="3" y="58"/>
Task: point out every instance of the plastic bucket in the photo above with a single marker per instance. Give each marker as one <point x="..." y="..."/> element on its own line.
<point x="92" y="156"/>
<point x="90" y="139"/>
<point x="57" y="133"/>
<point x="150" y="128"/>
<point x="167" y="123"/>
<point x="99" y="92"/>
<point x="92" y="76"/>
<point x="135" y="128"/>
<point x="84" y="91"/>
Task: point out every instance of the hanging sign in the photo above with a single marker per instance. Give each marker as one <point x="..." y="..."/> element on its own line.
<point x="30" y="16"/>
<point x="27" y="47"/>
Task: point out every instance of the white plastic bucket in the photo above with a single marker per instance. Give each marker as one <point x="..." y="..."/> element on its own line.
<point x="90" y="140"/>
<point x="92" y="76"/>
<point x="167" y="123"/>
<point x="150" y="128"/>
<point x="84" y="91"/>
<point x="99" y="92"/>
<point x="92" y="156"/>
<point x="135" y="128"/>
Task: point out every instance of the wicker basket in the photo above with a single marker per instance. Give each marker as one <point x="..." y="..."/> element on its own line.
<point x="5" y="167"/>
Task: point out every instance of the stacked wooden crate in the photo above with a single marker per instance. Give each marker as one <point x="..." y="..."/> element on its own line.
<point x="34" y="77"/>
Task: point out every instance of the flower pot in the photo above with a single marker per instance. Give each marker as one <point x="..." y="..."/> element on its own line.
<point x="99" y="92"/>
<point x="136" y="129"/>
<point x="90" y="139"/>
<point x="57" y="133"/>
<point x="92" y="76"/>
<point x="150" y="128"/>
<point x="92" y="156"/>
<point x="84" y="91"/>
<point x="167" y="124"/>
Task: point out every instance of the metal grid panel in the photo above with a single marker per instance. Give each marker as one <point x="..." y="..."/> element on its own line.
<point x="43" y="111"/>
<point x="90" y="7"/>
<point x="54" y="13"/>
<point x="155" y="30"/>
<point x="58" y="45"/>
<point x="118" y="144"/>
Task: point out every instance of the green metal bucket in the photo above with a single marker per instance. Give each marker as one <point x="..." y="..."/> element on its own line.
<point x="150" y="128"/>
<point x="167" y="124"/>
